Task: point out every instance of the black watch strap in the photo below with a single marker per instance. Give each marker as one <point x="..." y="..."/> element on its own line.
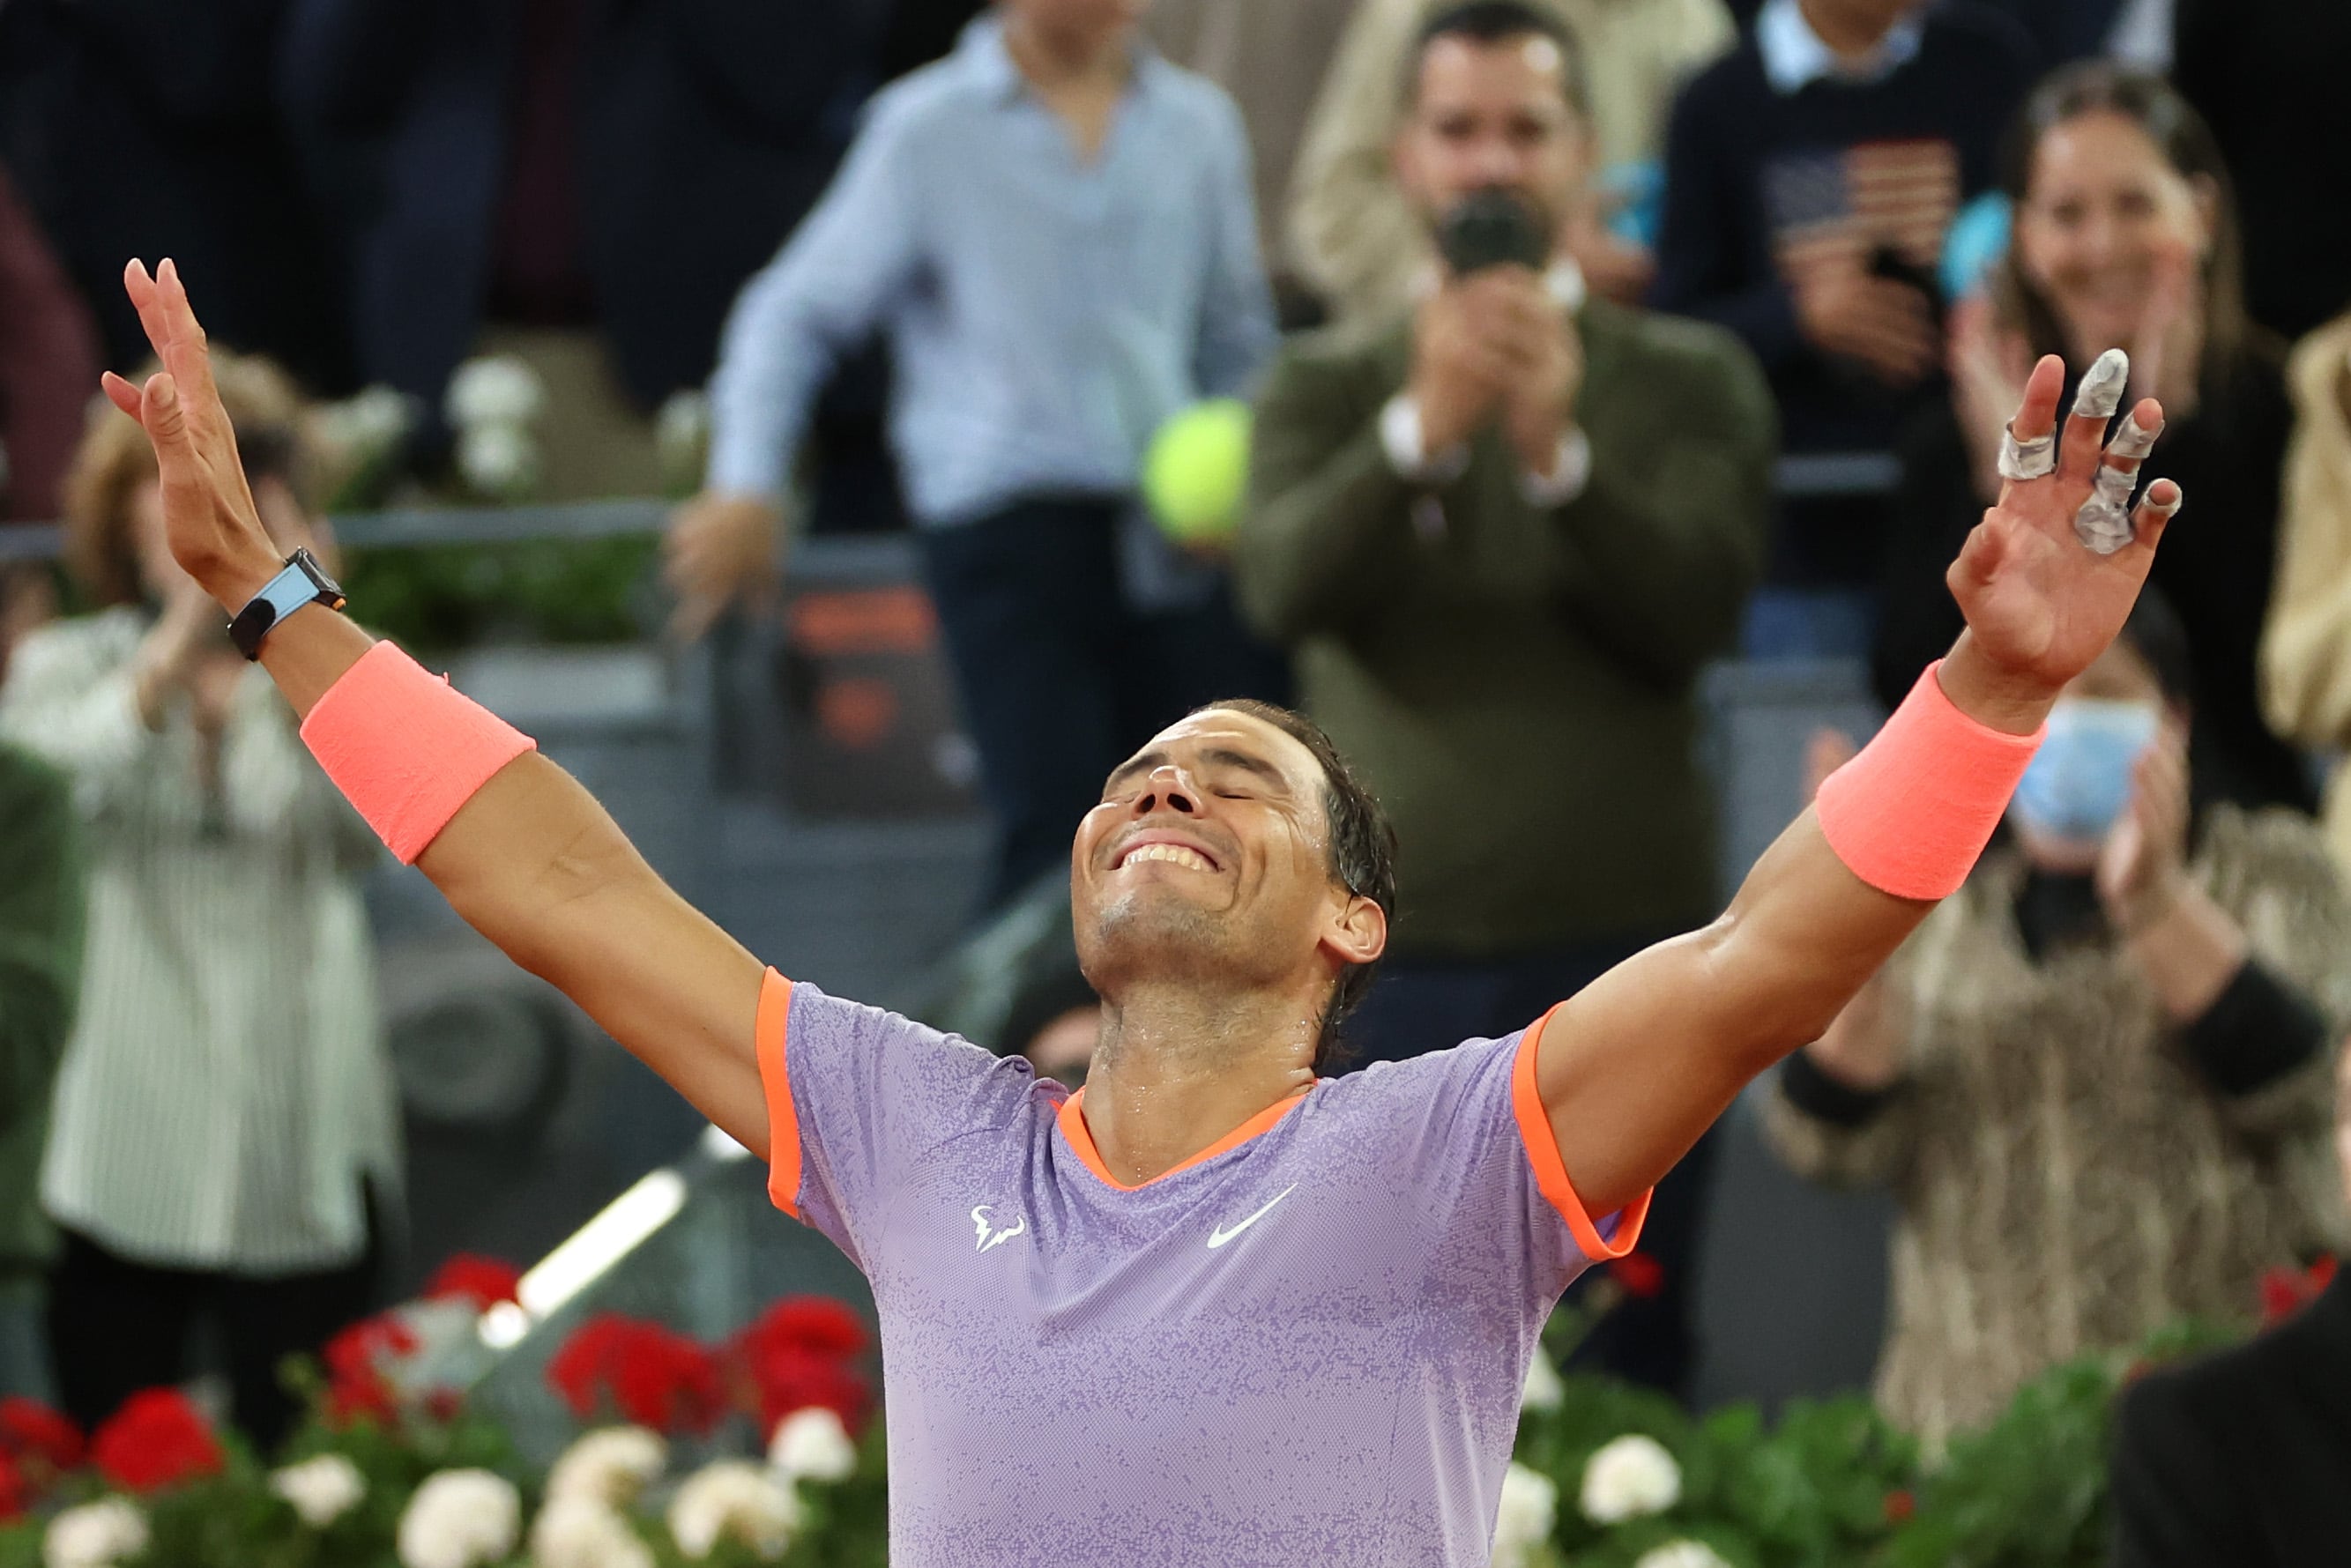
<point x="304" y="582"/>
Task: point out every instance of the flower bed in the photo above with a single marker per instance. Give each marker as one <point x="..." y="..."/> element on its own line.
<point x="389" y="1469"/>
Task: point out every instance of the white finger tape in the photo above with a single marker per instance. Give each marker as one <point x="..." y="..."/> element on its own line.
<point x="2026" y="459"/>
<point x="2104" y="523"/>
<point x="2101" y="392"/>
<point x="2134" y="440"/>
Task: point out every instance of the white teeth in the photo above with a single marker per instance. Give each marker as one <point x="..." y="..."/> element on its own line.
<point x="1175" y="854"/>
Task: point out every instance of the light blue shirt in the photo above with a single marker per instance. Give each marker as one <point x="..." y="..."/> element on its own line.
<point x="1046" y="312"/>
<point x="1794" y="58"/>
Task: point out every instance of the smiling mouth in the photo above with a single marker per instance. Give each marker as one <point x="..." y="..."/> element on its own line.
<point x="1173" y="855"/>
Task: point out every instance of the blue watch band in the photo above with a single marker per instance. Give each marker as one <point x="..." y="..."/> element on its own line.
<point x="303" y="581"/>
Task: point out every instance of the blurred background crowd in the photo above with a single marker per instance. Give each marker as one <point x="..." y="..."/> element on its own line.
<point x="1502" y="382"/>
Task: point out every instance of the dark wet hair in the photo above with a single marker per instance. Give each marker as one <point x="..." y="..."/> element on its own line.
<point x="1489" y="22"/>
<point x="1363" y="849"/>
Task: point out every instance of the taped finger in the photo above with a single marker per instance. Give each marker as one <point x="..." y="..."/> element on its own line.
<point x="2104" y="523"/>
<point x="2095" y="401"/>
<point x="2032" y="459"/>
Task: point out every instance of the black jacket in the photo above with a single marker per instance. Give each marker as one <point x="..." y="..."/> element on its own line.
<point x="2242" y="1458"/>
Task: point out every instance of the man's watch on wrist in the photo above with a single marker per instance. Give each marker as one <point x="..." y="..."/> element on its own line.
<point x="303" y="581"/>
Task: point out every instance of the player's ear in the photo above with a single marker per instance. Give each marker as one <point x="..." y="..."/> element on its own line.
<point x="1359" y="934"/>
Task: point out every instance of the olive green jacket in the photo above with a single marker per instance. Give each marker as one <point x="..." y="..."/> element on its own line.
<point x="1519" y="684"/>
<point x="41" y="894"/>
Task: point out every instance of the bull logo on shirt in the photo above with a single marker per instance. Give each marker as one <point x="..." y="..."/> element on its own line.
<point x="990" y="1238"/>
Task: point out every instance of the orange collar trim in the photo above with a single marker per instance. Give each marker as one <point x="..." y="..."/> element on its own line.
<point x="1081" y="1141"/>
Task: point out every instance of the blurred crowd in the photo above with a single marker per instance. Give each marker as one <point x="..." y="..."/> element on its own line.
<point x="1585" y="343"/>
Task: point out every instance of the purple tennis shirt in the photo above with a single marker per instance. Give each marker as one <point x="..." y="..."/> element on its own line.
<point x="1304" y="1345"/>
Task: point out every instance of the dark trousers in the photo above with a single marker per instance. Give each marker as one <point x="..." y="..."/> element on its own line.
<point x="1421" y="1006"/>
<point x="118" y="1326"/>
<point x="1059" y="679"/>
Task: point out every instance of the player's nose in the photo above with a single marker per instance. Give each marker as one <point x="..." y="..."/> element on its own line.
<point x="1167" y="788"/>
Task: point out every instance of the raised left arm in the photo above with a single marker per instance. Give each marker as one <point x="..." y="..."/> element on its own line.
<point x="1635" y="1068"/>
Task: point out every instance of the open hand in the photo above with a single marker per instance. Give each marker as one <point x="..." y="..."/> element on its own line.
<point x="2040" y="604"/>
<point x="209" y="518"/>
<point x="721" y="548"/>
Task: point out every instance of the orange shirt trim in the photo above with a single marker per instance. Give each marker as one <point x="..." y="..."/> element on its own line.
<point x="1550" y="1171"/>
<point x="1081" y="1141"/>
<point x="783" y="1121"/>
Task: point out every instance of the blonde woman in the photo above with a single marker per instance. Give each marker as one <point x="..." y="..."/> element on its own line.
<point x="225" y="1105"/>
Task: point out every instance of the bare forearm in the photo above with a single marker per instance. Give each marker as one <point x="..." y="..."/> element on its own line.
<point x="535" y="866"/>
<point x="1861" y="1049"/>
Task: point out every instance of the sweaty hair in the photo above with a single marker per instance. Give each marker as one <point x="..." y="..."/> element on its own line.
<point x="1363" y="849"/>
<point x="1492" y="21"/>
<point x="2180" y="135"/>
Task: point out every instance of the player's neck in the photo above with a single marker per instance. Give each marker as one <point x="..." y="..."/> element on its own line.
<point x="1177" y="1070"/>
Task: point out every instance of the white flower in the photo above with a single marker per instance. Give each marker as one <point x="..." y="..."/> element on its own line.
<point x="734" y="1498"/>
<point x="1681" y="1554"/>
<point x="610" y="1465"/>
<point x="579" y="1531"/>
<point x="813" y="1445"/>
<point x="1543" y="1389"/>
<point x="1530" y="1508"/>
<point x="684" y="423"/>
<point x="1630" y="1477"/>
<point x="496" y="389"/>
<point x="323" y="1490"/>
<point x="496" y="459"/>
<point x="95" y="1535"/>
<point x="458" y="1519"/>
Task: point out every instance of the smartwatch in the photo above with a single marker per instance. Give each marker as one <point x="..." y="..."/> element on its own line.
<point x="304" y="582"/>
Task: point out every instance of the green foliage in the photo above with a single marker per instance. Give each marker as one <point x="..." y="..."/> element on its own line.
<point x="442" y="597"/>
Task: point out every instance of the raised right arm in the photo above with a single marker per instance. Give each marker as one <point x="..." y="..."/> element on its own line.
<point x="530" y="860"/>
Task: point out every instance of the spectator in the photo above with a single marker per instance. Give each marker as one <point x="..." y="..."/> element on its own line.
<point x="1271" y="58"/>
<point x="2062" y="31"/>
<point x="1810" y="179"/>
<point x="1054" y="228"/>
<point x="583" y="186"/>
<point x="40" y="973"/>
<point x="2266" y="74"/>
<point x="2097" y="1079"/>
<point x="1353" y="234"/>
<point x="225" y="1102"/>
<point x="2306" y="648"/>
<point x="1501" y="535"/>
<point x="2240" y="1459"/>
<point x="2124" y="235"/>
<point x="149" y="128"/>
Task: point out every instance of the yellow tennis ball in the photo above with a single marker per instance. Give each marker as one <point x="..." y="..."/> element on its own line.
<point x="1197" y="469"/>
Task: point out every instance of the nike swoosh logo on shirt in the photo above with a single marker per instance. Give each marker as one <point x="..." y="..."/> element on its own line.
<point x="1219" y="1236"/>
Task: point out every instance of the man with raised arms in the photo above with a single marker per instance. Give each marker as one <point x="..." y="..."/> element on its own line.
<point x="1214" y="1309"/>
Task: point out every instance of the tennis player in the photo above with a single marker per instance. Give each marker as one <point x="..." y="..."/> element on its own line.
<point x="1215" y="1309"/>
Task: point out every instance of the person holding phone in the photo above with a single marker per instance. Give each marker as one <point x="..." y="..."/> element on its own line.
<point x="1500" y="537"/>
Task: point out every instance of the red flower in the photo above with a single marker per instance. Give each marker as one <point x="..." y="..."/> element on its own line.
<point x="1641" y="1274"/>
<point x="647" y="1373"/>
<point x="157" y="1438"/>
<point x="469" y="1276"/>
<point x="12" y="1491"/>
<point x="356" y="1386"/>
<point x="1899" y="1506"/>
<point x="801" y="1351"/>
<point x="31" y="1430"/>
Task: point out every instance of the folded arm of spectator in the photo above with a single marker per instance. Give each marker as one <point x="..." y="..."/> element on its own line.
<point x="826" y="289"/>
<point x="78" y="713"/>
<point x="1327" y="534"/>
<point x="1698" y="251"/>
<point x="40" y="933"/>
<point x="1661" y="553"/>
<point x="1237" y="334"/>
<point x="2305" y="658"/>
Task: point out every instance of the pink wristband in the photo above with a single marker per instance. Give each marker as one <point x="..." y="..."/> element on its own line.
<point x="1912" y="813"/>
<point x="404" y="748"/>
